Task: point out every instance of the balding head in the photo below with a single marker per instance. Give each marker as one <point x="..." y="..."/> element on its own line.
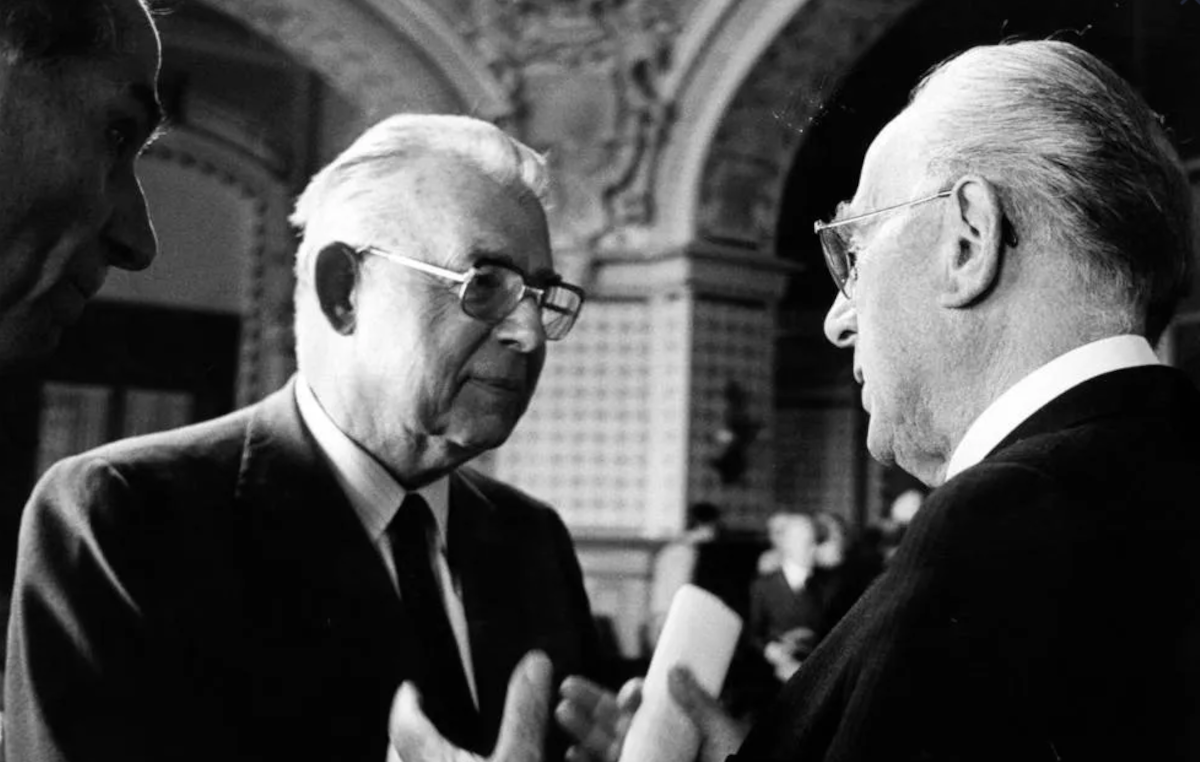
<point x="1079" y="160"/>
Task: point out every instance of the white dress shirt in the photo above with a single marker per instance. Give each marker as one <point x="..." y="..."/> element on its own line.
<point x="375" y="497"/>
<point x="795" y="574"/>
<point x="1037" y="389"/>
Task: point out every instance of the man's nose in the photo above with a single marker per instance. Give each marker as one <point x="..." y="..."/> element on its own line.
<point x="522" y="330"/>
<point x="841" y="322"/>
<point x="130" y="239"/>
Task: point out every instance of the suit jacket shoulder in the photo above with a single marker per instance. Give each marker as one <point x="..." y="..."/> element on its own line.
<point x="1044" y="604"/>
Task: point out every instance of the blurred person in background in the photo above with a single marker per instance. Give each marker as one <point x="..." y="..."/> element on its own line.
<point x="787" y="605"/>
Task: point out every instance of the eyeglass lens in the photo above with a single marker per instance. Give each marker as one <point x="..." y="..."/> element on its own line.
<point x="493" y="291"/>
<point x="837" y="258"/>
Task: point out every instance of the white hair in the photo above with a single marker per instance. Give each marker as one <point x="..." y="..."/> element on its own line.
<point x="376" y="157"/>
<point x="1077" y="156"/>
<point x="389" y="145"/>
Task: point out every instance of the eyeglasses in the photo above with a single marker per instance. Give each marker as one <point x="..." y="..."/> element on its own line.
<point x="490" y="291"/>
<point x="839" y="250"/>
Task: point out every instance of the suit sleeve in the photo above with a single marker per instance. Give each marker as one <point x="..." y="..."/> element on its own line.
<point x="76" y="638"/>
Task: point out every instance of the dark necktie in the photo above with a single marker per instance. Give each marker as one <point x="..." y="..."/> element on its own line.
<point x="438" y="669"/>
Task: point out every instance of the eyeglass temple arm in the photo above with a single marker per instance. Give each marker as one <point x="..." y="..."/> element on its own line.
<point x="417" y="264"/>
<point x="819" y="226"/>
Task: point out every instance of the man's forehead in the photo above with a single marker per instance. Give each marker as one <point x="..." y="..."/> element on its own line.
<point x="893" y="165"/>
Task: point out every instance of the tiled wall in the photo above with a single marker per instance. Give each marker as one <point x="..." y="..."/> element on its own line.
<point x="732" y="342"/>
<point x="623" y="428"/>
<point x="584" y="444"/>
<point x="817" y="453"/>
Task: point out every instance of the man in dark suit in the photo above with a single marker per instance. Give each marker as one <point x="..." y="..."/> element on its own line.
<point x="1021" y="233"/>
<point x="259" y="586"/>
<point x="791" y="607"/>
<point x="78" y="102"/>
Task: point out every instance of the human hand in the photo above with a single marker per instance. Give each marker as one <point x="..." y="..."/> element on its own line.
<point x="720" y="734"/>
<point x="595" y="719"/>
<point x="522" y="728"/>
<point x="776" y="653"/>
<point x="784" y="661"/>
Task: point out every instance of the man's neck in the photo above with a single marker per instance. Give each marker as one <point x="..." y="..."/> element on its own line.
<point x="1026" y="385"/>
<point x="988" y="362"/>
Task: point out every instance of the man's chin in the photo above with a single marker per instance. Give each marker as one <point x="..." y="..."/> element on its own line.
<point x="882" y="448"/>
<point x="476" y="439"/>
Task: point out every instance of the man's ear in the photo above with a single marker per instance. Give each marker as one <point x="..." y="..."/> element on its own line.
<point x="335" y="279"/>
<point x="972" y="269"/>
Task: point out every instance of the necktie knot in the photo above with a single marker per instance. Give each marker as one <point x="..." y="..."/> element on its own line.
<point x="413" y="523"/>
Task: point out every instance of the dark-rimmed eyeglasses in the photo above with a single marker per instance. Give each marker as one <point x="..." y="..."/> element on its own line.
<point x="840" y="256"/>
<point x="490" y="291"/>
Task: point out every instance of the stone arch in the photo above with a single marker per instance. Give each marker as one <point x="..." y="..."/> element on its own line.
<point x="384" y="55"/>
<point x="744" y="102"/>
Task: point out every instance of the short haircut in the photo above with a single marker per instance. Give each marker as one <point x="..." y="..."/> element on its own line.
<point x="44" y="32"/>
<point x="1070" y="144"/>
<point x="387" y="147"/>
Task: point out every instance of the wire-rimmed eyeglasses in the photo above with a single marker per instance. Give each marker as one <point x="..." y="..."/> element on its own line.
<point x="839" y="252"/>
<point x="490" y="291"/>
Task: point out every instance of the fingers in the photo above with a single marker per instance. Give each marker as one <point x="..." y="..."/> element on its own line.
<point x="720" y="735"/>
<point x="630" y="697"/>
<point x="413" y="735"/>
<point x="526" y="711"/>
<point x="586" y="699"/>
<point x="595" y="719"/>
<point x="691" y="697"/>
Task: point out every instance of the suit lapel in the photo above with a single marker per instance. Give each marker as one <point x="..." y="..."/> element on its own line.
<point x="476" y="542"/>
<point x="1153" y="390"/>
<point x="305" y="526"/>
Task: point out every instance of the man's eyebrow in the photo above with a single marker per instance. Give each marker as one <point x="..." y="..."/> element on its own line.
<point x="488" y="255"/>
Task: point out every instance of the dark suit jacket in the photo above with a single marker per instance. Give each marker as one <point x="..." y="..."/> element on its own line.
<point x="776" y="609"/>
<point x="1044" y="605"/>
<point x="209" y="593"/>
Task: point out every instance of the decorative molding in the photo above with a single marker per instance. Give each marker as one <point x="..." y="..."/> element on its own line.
<point x="586" y="80"/>
<point x="748" y="79"/>
<point x="752" y="151"/>
<point x="483" y="94"/>
<point x="703" y="268"/>
<point x="381" y="67"/>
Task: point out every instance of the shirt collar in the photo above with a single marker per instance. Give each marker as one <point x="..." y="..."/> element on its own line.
<point x="1035" y="390"/>
<point x="795" y="574"/>
<point x="371" y="490"/>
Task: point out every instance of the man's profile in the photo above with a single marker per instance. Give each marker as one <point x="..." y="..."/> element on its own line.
<point x="78" y="102"/>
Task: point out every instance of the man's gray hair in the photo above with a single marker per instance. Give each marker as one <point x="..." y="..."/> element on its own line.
<point x="388" y="146"/>
<point x="45" y="32"/>
<point x="1074" y="149"/>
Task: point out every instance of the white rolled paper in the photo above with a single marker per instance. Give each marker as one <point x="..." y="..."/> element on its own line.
<point x="700" y="633"/>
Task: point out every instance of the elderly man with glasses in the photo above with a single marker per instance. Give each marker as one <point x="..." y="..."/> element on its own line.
<point x="259" y="586"/>
<point x="1020" y="236"/>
